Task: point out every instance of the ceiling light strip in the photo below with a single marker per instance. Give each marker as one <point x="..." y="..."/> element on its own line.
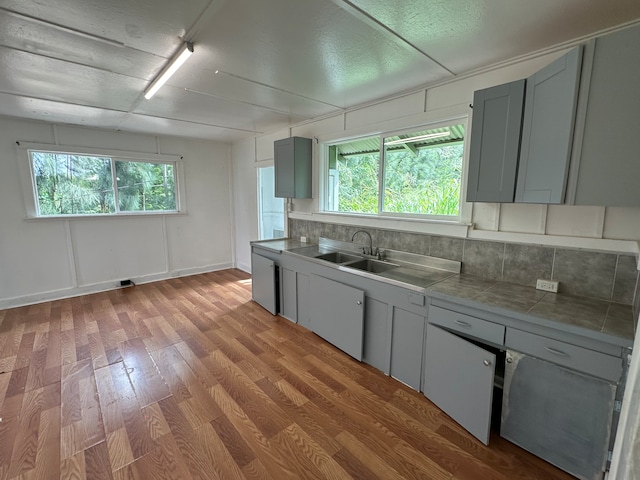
<point x="186" y="50"/>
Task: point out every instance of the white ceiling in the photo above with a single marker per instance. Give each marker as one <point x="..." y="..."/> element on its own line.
<point x="87" y="62"/>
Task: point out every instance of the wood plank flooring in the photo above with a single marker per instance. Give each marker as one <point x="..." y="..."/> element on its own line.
<point x="189" y="379"/>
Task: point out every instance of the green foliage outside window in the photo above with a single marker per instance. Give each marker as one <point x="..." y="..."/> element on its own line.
<point x="427" y="183"/>
<point x="422" y="173"/>
<point x="358" y="186"/>
<point x="69" y="184"/>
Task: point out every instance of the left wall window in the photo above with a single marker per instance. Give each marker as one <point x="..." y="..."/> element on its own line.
<point x="80" y="184"/>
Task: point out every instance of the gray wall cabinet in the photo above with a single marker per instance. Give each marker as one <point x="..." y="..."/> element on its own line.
<point x="337" y="314"/>
<point x="608" y="167"/>
<point x="292" y="161"/>
<point x="522" y="136"/>
<point x="264" y="286"/>
<point x="558" y="414"/>
<point x="547" y="130"/>
<point x="495" y="143"/>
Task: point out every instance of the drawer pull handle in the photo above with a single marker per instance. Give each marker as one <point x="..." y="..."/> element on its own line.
<point x="557" y="352"/>
<point x="463" y="324"/>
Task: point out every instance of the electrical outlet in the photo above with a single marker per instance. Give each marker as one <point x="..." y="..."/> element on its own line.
<point x="303" y="239"/>
<point x="547" y="285"/>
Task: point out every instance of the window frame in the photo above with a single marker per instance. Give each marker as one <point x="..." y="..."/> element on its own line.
<point x="30" y="191"/>
<point x="463" y="213"/>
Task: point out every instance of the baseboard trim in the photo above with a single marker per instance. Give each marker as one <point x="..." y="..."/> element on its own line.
<point x="104" y="286"/>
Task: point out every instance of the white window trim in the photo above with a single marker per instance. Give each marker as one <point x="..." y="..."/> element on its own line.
<point x="29" y="189"/>
<point x="466" y="209"/>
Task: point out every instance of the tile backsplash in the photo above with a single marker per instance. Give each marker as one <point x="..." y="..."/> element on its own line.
<point x="606" y="276"/>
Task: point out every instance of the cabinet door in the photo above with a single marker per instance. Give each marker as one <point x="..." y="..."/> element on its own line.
<point x="376" y="334"/>
<point x="560" y="415"/>
<point x="284" y="168"/>
<point x="407" y="340"/>
<point x="337" y="314"/>
<point x="288" y="294"/>
<point x="263" y="282"/>
<point x="547" y="130"/>
<point x="292" y="161"/>
<point x="608" y="167"/>
<point x="495" y="143"/>
<point x="303" y="309"/>
<point x="459" y="379"/>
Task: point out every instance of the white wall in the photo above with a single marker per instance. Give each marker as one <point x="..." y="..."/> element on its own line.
<point x="616" y="229"/>
<point x="43" y="259"/>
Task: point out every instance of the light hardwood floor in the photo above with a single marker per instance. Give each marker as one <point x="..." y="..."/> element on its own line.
<point x="188" y="378"/>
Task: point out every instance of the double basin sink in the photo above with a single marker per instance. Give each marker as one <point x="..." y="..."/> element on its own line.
<point x="355" y="261"/>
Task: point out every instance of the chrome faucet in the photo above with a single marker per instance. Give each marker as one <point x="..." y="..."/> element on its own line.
<point x="364" y="250"/>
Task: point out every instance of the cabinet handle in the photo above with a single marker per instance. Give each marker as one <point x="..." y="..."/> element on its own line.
<point x="557" y="352"/>
<point x="486" y="362"/>
<point x="509" y="359"/>
<point x="358" y="302"/>
<point x="463" y="324"/>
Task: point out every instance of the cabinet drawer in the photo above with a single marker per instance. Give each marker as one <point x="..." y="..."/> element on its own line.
<point x="561" y="353"/>
<point x="472" y="326"/>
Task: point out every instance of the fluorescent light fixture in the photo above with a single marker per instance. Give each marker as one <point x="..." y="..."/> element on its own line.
<point x="174" y="64"/>
<point x="428" y="136"/>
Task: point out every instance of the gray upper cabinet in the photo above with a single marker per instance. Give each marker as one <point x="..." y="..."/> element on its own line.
<point x="547" y="130"/>
<point x="292" y="160"/>
<point x="607" y="167"/>
<point x="522" y="136"/>
<point x="495" y="143"/>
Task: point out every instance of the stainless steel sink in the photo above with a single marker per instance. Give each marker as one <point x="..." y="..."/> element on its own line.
<point x="338" y="257"/>
<point x="373" y="266"/>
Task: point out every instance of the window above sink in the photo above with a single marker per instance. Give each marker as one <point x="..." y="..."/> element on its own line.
<point x="414" y="173"/>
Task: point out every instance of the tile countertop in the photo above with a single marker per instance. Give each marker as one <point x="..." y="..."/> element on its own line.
<point x="612" y="322"/>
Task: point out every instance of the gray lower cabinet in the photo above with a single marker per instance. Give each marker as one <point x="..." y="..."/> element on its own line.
<point x="288" y="295"/>
<point x="264" y="282"/>
<point x="303" y="306"/>
<point x="337" y="314"/>
<point x="407" y="340"/>
<point x="376" y="334"/>
<point x="561" y="415"/>
<point x="459" y="378"/>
